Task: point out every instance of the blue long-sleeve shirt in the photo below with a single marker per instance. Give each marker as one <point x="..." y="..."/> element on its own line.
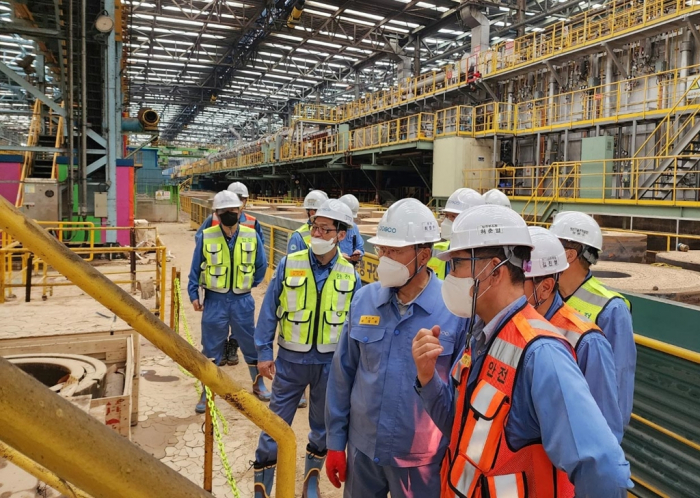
<point x="370" y="400"/>
<point x="242" y="219"/>
<point x="594" y="356"/>
<point x="296" y="242"/>
<point x="352" y="242"/>
<point x="551" y="403"/>
<point x="198" y="259"/>
<point x="267" y="319"/>
<point x="615" y="320"/>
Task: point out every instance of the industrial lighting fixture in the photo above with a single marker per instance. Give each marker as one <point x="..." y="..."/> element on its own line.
<point x="104" y="23"/>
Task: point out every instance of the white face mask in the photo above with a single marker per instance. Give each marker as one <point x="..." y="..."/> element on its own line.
<point x="456" y="292"/>
<point x="446" y="229"/>
<point x="321" y="246"/>
<point x="392" y="273"/>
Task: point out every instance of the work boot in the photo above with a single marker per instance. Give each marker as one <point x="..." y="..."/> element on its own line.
<point x="312" y="471"/>
<point x="202" y="405"/>
<point x="232" y="352"/>
<point x="259" y="388"/>
<point x="302" y="401"/>
<point x="264" y="475"/>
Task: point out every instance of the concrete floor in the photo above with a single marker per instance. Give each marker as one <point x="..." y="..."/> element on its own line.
<point x="167" y="426"/>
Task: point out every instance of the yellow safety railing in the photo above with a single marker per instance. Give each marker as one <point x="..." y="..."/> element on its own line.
<point x="118" y="469"/>
<point x="32" y="140"/>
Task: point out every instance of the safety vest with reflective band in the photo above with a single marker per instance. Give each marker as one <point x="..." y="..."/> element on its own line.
<point x="572" y="325"/>
<point x="305" y="232"/>
<point x="439" y="266"/>
<point x="214" y="220"/>
<point x="249" y="221"/>
<point x="307" y="315"/>
<point x="479" y="463"/>
<point x="221" y="272"/>
<point x="592" y="297"/>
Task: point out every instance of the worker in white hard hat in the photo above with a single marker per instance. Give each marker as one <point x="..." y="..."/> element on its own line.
<point x="496" y="197"/>
<point x="228" y="261"/>
<point x="610" y="310"/>
<point x="460" y="200"/>
<point x="302" y="236"/>
<point x="594" y="354"/>
<point x="230" y="356"/>
<point x="308" y="300"/>
<point x="352" y="246"/>
<point x="517" y="406"/>
<point x="380" y="439"/>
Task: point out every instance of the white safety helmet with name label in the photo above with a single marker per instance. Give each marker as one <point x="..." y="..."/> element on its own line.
<point x="407" y="222"/>
<point x="548" y="256"/>
<point x="487" y="226"/>
<point x="239" y="189"/>
<point x="463" y="199"/>
<point x="577" y="227"/>
<point x="351" y="202"/>
<point x="226" y="199"/>
<point x="314" y="199"/>
<point x="334" y="210"/>
<point x="496" y="197"/>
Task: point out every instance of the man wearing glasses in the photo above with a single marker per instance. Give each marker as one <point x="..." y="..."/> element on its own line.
<point x="309" y="297"/>
<point x="380" y="439"/>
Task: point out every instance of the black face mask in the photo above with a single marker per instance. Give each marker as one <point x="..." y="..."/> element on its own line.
<point x="228" y="218"/>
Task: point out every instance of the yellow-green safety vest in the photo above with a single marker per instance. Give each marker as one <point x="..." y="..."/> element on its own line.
<point x="307" y="316"/>
<point x="305" y="232"/>
<point x="592" y="297"/>
<point x="222" y="273"/>
<point x="438" y="266"/>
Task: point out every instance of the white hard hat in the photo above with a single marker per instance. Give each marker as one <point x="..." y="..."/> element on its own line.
<point x="239" y="189"/>
<point x="314" y="199"/>
<point x="495" y="196"/>
<point x="548" y="257"/>
<point x="226" y="199"/>
<point x="463" y="199"/>
<point x="335" y="210"/>
<point x="487" y="226"/>
<point x="577" y="227"/>
<point x="407" y="222"/>
<point x="351" y="202"/>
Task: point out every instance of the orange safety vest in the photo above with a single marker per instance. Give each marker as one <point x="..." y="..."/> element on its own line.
<point x="479" y="463"/>
<point x="572" y="325"/>
<point x="214" y="220"/>
<point x="249" y="221"/>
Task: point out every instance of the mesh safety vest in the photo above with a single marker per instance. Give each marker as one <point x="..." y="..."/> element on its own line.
<point x="439" y="266"/>
<point x="307" y="315"/>
<point x="479" y="462"/>
<point x="572" y="325"/>
<point x="220" y="271"/>
<point x="249" y="221"/>
<point x="592" y="297"/>
<point x="305" y="232"/>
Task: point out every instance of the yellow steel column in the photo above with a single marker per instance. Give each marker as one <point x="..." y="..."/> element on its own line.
<point x="158" y="333"/>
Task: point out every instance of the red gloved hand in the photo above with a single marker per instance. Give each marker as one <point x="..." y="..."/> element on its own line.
<point x="335" y="467"/>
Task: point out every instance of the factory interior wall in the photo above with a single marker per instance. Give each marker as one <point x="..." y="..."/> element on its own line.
<point x="10" y="173"/>
<point x="453" y="157"/>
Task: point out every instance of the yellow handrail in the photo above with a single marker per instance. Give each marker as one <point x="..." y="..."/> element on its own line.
<point x="32" y="140"/>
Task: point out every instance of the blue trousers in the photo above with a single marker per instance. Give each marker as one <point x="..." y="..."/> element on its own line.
<point x="366" y="479"/>
<point x="224" y="313"/>
<point x="287" y="387"/>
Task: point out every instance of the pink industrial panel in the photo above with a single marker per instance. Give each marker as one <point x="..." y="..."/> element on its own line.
<point x="125" y="202"/>
<point x="9" y="180"/>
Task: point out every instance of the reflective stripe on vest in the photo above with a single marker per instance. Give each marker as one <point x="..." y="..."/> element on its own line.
<point x="592" y="297"/>
<point x="221" y="273"/>
<point x="214" y="220"/>
<point x="308" y="317"/>
<point x="437" y="265"/>
<point x="249" y="221"/>
<point x="305" y="232"/>
<point x="572" y="325"/>
<point x="479" y="462"/>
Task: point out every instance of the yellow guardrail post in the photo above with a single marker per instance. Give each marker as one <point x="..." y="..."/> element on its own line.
<point x="158" y="333"/>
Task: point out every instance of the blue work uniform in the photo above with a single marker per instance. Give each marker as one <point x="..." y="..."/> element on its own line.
<point x="615" y="320"/>
<point x="551" y="404"/>
<point x="372" y="408"/>
<point x="226" y="312"/>
<point x="241" y="219"/>
<point x="296" y="242"/>
<point x="595" y="359"/>
<point x="352" y="242"/>
<point x="293" y="370"/>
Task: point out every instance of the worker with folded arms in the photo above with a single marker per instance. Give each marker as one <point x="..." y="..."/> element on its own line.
<point x="609" y="310"/>
<point x="308" y="300"/>
<point x="517" y="405"/>
<point x="301" y="237"/>
<point x="228" y="261"/>
<point x="593" y="351"/>
<point x="380" y="439"/>
<point x="352" y="246"/>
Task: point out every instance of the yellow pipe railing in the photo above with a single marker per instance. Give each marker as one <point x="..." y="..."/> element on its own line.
<point x="161" y="336"/>
<point x="32" y="140"/>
